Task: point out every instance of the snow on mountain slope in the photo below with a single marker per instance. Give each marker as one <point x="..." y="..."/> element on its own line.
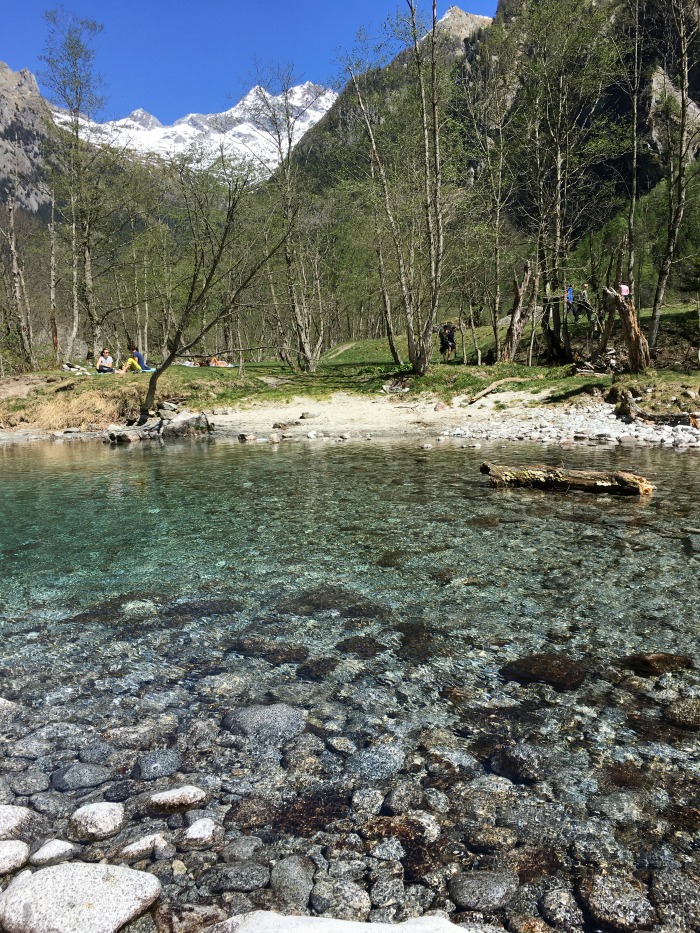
<point x="254" y="130"/>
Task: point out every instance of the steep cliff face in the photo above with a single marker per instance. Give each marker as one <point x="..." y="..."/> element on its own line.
<point x="24" y="121"/>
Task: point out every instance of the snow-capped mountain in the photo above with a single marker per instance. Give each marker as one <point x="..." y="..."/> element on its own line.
<point x="258" y="129"/>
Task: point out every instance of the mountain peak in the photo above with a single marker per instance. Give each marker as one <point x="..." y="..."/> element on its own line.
<point x="463" y="25"/>
<point x="144" y="119"/>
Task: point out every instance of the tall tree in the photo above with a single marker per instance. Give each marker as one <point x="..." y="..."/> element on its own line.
<point x="681" y="131"/>
<point x="408" y="173"/>
<point x="73" y="84"/>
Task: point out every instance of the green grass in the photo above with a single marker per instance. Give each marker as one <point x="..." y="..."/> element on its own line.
<point x="364" y="367"/>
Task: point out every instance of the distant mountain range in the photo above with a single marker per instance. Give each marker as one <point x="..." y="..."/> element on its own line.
<point x="246" y="131"/>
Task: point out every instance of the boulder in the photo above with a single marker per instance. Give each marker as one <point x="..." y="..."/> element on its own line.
<point x="77" y="898"/>
<point x="186" y="424"/>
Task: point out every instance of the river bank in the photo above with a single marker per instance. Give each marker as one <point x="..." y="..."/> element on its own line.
<point x="506" y="416"/>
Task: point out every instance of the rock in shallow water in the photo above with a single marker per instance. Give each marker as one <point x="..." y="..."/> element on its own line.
<point x="79" y="776"/>
<point x="96" y="821"/>
<point x="268" y="725"/>
<point x="13" y="820"/>
<point x="342" y="900"/>
<point x="76" y="898"/>
<point x="618" y="902"/>
<point x="13" y="855"/>
<point x="557" y="670"/>
<point x="377" y="763"/>
<point x="264" y="922"/>
<point x="483" y="890"/>
<point x="677" y="898"/>
<point x="161" y="763"/>
<point x="684" y="713"/>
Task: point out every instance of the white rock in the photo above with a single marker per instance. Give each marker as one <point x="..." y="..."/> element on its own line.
<point x="201" y="835"/>
<point x="52" y="853"/>
<point x="264" y="922"/>
<point x="186" y="796"/>
<point x="97" y="821"/>
<point x="154" y="844"/>
<point x="77" y="898"/>
<point x="13" y="820"/>
<point x="13" y="855"/>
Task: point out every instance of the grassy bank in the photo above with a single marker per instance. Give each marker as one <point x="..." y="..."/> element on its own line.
<point x="55" y="400"/>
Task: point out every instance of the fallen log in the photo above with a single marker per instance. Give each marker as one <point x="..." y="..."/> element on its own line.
<point x="495" y="385"/>
<point x="630" y="411"/>
<point x="558" y="479"/>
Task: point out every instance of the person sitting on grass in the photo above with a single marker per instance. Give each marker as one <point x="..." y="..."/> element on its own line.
<point x="105" y="364"/>
<point x="135" y="363"/>
<point x="138" y="356"/>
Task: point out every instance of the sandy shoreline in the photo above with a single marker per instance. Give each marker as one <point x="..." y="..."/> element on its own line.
<point x="507" y="416"/>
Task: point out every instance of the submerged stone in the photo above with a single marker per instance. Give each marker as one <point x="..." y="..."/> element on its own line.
<point x="617" y="901"/>
<point x="483" y="890"/>
<point x="557" y="670"/>
<point x="269" y="725"/>
<point x="76" y="777"/>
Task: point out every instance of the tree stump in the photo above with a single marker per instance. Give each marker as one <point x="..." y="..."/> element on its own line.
<point x="558" y="479"/>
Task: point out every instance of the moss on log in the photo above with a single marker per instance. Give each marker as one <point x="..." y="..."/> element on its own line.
<point x="557" y="479"/>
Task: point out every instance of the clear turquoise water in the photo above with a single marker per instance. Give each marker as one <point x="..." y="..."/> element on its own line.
<point x="421" y="534"/>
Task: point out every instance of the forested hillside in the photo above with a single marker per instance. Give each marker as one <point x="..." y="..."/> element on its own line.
<point x="469" y="171"/>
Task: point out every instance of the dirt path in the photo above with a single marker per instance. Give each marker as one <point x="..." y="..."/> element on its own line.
<point x="339" y="350"/>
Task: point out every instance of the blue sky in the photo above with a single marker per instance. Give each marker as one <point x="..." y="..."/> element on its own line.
<point x="174" y="58"/>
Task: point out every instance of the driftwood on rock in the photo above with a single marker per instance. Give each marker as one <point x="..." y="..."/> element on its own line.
<point x="630" y="411"/>
<point x="558" y="479"/>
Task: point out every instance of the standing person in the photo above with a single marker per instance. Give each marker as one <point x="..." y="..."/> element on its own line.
<point x="570" y="306"/>
<point x="582" y="303"/>
<point x="105" y="364"/>
<point x="448" y="343"/>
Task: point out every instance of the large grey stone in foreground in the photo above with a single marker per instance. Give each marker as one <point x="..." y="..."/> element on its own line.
<point x="77" y="898"/>
<point x="269" y="725"/>
<point x="264" y="922"/>
<point x="483" y="890"/>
